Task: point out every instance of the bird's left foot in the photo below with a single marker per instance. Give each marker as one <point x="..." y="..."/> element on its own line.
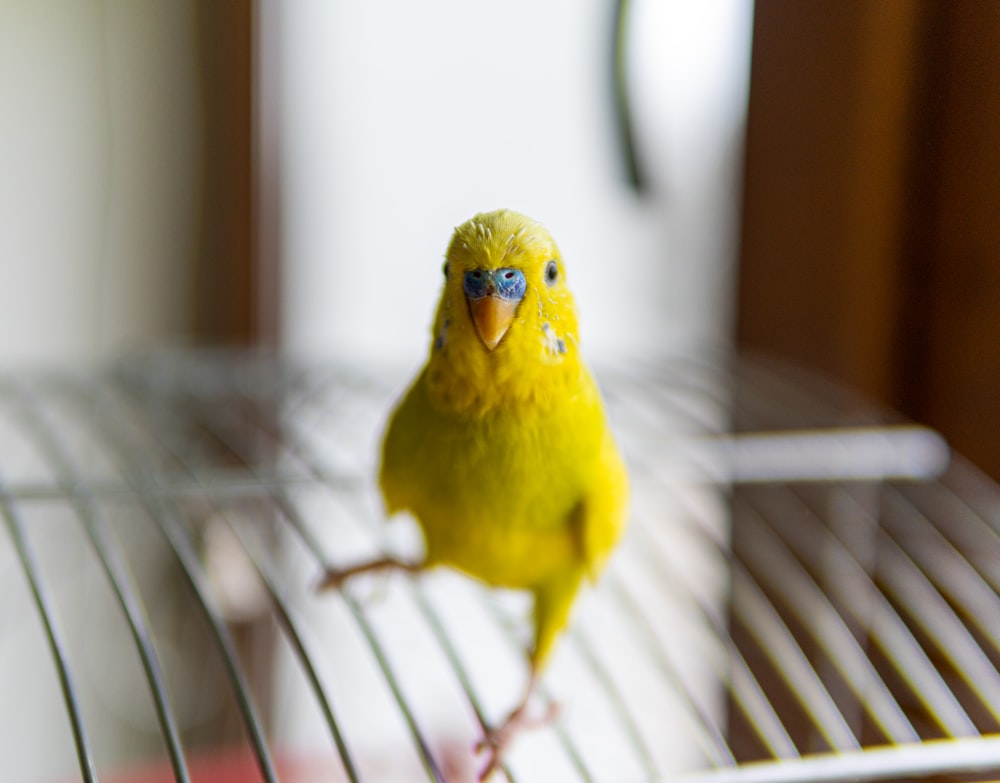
<point x="498" y="740"/>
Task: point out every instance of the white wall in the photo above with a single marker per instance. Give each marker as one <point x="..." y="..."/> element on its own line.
<point x="401" y="120"/>
<point x="99" y="160"/>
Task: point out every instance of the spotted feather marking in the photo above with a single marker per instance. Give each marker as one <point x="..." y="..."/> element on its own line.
<point x="553" y="342"/>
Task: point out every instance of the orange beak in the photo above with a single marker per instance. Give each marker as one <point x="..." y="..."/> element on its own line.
<point x="492" y="316"/>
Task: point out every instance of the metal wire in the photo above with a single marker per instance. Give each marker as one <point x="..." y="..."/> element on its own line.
<point x="178" y="539"/>
<point x="848" y="628"/>
<point x="281" y="606"/>
<point x="73" y="484"/>
<point x="57" y="647"/>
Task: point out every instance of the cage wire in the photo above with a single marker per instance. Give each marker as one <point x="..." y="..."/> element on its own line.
<point x="808" y="589"/>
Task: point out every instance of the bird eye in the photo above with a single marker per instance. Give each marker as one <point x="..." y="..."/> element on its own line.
<point x="509" y="276"/>
<point x="445" y="268"/>
<point x="551" y="272"/>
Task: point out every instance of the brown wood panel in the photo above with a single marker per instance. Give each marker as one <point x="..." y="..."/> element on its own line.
<point x="956" y="319"/>
<point x="830" y="99"/>
<point x="226" y="296"/>
<point x="872" y="194"/>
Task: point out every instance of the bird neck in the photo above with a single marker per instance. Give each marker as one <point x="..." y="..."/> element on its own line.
<point x="476" y="383"/>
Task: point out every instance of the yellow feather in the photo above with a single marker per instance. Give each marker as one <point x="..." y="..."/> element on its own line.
<point x="505" y="457"/>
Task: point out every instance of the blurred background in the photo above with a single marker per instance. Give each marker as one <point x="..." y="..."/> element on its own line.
<point x="251" y="174"/>
<point x="813" y="180"/>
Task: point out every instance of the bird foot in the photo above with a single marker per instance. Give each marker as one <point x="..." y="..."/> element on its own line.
<point x="498" y="740"/>
<point x="332" y="579"/>
<point x="335" y="578"/>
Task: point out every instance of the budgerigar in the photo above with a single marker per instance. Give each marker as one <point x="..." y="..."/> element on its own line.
<point x="501" y="448"/>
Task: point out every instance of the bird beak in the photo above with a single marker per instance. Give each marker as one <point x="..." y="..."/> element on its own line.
<point x="492" y="316"/>
<point x="493" y="297"/>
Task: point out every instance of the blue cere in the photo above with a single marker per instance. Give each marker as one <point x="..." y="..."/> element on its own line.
<point x="506" y="283"/>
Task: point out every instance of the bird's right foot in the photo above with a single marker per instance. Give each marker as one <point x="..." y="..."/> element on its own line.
<point x="334" y="578"/>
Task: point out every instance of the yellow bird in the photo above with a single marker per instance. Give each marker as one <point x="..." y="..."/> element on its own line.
<point x="501" y="448"/>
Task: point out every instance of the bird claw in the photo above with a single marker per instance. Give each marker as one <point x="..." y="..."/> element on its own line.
<point x="335" y="578"/>
<point x="496" y="741"/>
<point x="332" y="579"/>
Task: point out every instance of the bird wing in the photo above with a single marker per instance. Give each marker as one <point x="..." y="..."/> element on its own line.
<point x="599" y="518"/>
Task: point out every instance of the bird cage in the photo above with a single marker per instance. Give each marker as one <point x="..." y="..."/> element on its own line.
<point x="807" y="591"/>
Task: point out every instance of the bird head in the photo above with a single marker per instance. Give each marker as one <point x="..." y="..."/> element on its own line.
<point x="505" y="311"/>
